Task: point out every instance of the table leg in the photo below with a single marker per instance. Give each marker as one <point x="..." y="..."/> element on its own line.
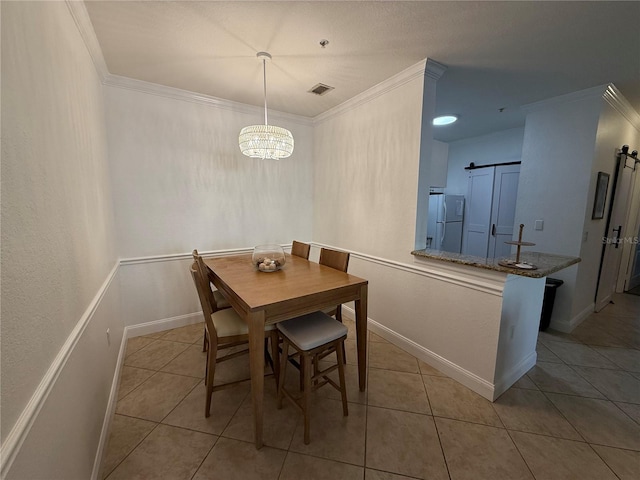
<point x="361" y="336"/>
<point x="256" y="363"/>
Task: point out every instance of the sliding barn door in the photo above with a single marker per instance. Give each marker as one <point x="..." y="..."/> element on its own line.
<point x="503" y="210"/>
<point x="478" y="213"/>
<point x="612" y="247"/>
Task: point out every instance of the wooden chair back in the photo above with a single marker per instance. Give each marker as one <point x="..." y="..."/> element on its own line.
<point x="300" y="249"/>
<point x="334" y="259"/>
<point x="202" y="286"/>
<point x="204" y="272"/>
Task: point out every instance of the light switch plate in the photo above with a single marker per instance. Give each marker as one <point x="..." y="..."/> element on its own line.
<point x="539" y="224"/>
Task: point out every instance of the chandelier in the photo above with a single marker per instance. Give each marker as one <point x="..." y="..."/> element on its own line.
<point x="265" y="141"/>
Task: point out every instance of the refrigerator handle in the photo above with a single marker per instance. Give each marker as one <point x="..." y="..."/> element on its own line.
<point x="444" y="209"/>
<point x="444" y="231"/>
<point x="493" y="229"/>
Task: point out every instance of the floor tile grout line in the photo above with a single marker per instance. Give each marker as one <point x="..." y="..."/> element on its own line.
<point x="366" y="409"/>
<point x="168" y="362"/>
<point x="231" y="417"/>
<point x="435" y="425"/>
<point x="546" y="394"/>
<point x="538" y="434"/>
<point x="591" y="383"/>
<point x="307" y="454"/>
<point x="629" y="416"/>
<point x="204" y="458"/>
<point x="284" y="461"/>
<point x="132" y="450"/>
<point x="563" y="415"/>
<point x="521" y="455"/>
<point x="603" y="460"/>
<point x="155" y="372"/>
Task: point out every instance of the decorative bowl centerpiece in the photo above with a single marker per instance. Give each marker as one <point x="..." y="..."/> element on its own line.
<point x="268" y="258"/>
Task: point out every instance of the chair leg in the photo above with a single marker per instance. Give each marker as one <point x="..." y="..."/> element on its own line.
<point x="267" y="357"/>
<point x="303" y="360"/>
<point x="316" y="368"/>
<point x="276" y="356"/>
<point x="339" y="318"/>
<point x="211" y="371"/>
<point x="205" y="340"/>
<point x="306" y="400"/>
<point x="283" y="373"/>
<point x="343" y="389"/>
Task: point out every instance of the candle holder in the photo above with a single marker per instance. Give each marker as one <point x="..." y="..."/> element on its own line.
<point x="517" y="263"/>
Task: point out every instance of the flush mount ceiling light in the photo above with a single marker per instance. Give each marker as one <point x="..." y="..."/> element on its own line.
<point x="445" y="120"/>
<point x="265" y="141"/>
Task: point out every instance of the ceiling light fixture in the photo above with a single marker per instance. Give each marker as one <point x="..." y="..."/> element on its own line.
<point x="445" y="120"/>
<point x="265" y="141"/>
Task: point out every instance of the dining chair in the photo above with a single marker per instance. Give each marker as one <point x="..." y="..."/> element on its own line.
<point x="225" y="329"/>
<point x="311" y="335"/>
<point x="215" y="297"/>
<point x="340" y="261"/>
<point x="300" y="249"/>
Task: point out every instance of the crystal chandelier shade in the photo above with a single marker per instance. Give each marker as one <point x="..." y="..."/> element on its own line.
<point x="265" y="141"/>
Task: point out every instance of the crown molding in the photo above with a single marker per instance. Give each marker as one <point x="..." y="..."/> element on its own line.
<point x="142" y="86"/>
<point x="376" y="91"/>
<point x="614" y="98"/>
<point x="593" y="92"/>
<point x="607" y="92"/>
<point x="434" y="69"/>
<point x="81" y="18"/>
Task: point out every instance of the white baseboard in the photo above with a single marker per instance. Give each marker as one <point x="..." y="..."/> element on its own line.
<point x="513" y="375"/>
<point x="465" y="377"/>
<point x="110" y="410"/>
<point x="163" y="324"/>
<point x="568" y="327"/>
<point x="16" y="437"/>
<point x="131" y="332"/>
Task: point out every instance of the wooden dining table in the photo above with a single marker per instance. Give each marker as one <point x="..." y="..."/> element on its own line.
<point x="263" y="298"/>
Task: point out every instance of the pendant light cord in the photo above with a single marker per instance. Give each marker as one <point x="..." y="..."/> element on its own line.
<point x="264" y="72"/>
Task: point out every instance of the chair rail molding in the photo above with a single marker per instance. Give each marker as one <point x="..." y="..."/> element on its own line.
<point x="19" y="432"/>
<point x="476" y="279"/>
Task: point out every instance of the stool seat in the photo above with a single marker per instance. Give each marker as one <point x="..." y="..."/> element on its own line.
<point x="312" y="335"/>
<point x="312" y="330"/>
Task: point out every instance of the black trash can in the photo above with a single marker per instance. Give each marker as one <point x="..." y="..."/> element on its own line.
<point x="550" y="288"/>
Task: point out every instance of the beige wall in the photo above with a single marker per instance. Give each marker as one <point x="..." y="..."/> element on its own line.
<point x="366" y="174"/>
<point x="181" y="182"/>
<point x="58" y="232"/>
<point x="567" y="141"/>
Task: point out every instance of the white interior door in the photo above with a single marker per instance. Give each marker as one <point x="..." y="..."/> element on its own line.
<point x="503" y="209"/>
<point x="634" y="260"/>
<point x="477" y="221"/>
<point x="612" y="254"/>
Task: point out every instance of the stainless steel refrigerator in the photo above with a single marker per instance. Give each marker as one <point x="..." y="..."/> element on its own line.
<point x="444" y="224"/>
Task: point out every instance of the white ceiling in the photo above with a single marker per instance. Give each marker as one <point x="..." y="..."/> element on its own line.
<point x="498" y="54"/>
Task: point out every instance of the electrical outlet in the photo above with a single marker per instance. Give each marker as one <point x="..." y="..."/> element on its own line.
<point x="108" y="337"/>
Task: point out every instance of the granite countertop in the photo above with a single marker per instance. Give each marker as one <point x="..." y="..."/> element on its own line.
<point x="547" y="263"/>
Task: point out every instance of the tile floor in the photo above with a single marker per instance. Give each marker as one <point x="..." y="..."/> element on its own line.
<point x="575" y="415"/>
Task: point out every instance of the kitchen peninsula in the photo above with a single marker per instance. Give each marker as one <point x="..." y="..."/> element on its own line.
<point x="495" y="316"/>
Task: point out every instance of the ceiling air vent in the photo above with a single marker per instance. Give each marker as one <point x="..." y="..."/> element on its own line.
<point x="321" y="89"/>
